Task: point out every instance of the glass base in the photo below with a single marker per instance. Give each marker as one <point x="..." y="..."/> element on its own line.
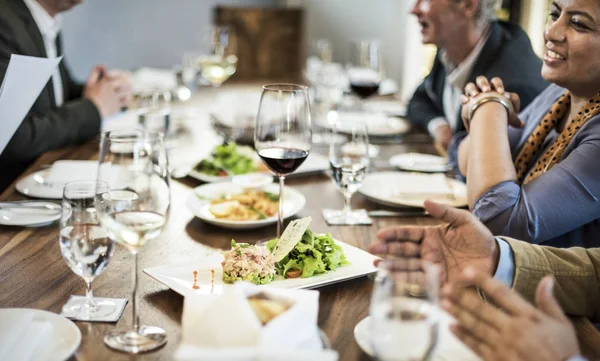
<point x="148" y="338"/>
<point x="89" y="311"/>
<point x="339" y="217"/>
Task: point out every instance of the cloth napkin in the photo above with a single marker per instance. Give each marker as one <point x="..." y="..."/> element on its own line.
<point x="24" y="338"/>
<point x="64" y="171"/>
<point x="153" y="78"/>
<point x="224" y="327"/>
<point x="423" y="185"/>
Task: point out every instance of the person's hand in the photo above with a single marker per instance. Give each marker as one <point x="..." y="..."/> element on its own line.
<point x="514" y="331"/>
<point x="104" y="92"/>
<point x="121" y="81"/>
<point x="442" y="136"/>
<point x="482" y="88"/>
<point x="462" y="242"/>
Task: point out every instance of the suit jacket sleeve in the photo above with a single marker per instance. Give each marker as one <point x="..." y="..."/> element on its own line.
<point x="421" y="108"/>
<point x="73" y="122"/>
<point x="576" y="270"/>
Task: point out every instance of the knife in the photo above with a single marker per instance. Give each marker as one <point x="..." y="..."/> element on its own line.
<point x="382" y="213"/>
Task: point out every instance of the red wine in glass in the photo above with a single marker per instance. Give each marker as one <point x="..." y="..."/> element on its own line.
<point x="364" y="89"/>
<point x="283" y="161"/>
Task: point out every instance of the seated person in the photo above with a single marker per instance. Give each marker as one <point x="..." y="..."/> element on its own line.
<point x="65" y="112"/>
<point x="541" y="183"/>
<point x="470" y="43"/>
<point x="468" y="255"/>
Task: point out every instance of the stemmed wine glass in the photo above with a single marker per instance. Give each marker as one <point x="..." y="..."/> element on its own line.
<point x="221" y="61"/>
<point x="365" y="73"/>
<point x="84" y="245"/>
<point x="135" y="211"/>
<point x="282" y="135"/>
<point x="349" y="162"/>
<point x="404" y="310"/>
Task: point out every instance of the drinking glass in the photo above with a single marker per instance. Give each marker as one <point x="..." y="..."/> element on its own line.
<point x="349" y="162"/>
<point x="154" y="111"/>
<point x="84" y="244"/>
<point x="134" y="164"/>
<point x="282" y="134"/>
<point x="365" y="73"/>
<point x="221" y="61"/>
<point x="404" y="310"/>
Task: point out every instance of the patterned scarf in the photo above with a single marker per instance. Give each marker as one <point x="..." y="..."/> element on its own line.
<point x="523" y="163"/>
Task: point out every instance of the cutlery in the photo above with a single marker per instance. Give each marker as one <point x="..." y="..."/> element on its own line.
<point x="382" y="213"/>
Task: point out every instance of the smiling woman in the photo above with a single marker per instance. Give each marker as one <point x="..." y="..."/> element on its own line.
<point x="534" y="175"/>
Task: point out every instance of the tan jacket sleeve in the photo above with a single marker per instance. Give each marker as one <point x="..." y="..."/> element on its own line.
<point x="576" y="270"/>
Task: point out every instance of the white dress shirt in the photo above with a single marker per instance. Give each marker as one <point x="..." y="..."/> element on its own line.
<point x="456" y="79"/>
<point x="49" y="28"/>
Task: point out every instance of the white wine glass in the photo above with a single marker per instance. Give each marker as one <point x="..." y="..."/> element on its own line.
<point x="221" y="61"/>
<point x="404" y="310"/>
<point x="135" y="166"/>
<point x="282" y="134"/>
<point x="85" y="245"/>
<point x="349" y="164"/>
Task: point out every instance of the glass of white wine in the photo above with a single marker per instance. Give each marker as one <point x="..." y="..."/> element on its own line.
<point x="221" y="61"/>
<point x="135" y="166"/>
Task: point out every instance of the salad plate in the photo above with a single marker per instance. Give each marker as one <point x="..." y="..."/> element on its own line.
<point x="209" y="280"/>
<point x="403" y="189"/>
<point x="199" y="202"/>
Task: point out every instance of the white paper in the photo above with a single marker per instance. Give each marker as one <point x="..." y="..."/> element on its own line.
<point x="23" y="82"/>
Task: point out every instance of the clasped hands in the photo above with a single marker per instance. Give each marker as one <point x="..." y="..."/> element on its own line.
<point x="483" y="92"/>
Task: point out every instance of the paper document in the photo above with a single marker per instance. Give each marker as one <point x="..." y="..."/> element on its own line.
<point x="23" y="82"/>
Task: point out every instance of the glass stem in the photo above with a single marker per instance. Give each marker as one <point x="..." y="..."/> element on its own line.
<point x="134" y="300"/>
<point x="280" y="213"/>
<point x="347" y="205"/>
<point x="89" y="295"/>
<point x="90" y="305"/>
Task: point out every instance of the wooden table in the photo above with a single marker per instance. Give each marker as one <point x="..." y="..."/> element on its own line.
<point x="33" y="273"/>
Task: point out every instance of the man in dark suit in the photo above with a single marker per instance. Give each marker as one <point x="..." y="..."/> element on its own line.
<point x="65" y="112"/>
<point x="470" y="43"/>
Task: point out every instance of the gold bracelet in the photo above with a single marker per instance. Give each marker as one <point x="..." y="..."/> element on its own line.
<point x="492" y="98"/>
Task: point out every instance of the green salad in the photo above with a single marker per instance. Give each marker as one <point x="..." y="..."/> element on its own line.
<point x="313" y="254"/>
<point x="228" y="159"/>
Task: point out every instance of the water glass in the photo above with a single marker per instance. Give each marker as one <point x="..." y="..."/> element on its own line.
<point x="349" y="163"/>
<point x="85" y="245"/>
<point x="404" y="310"/>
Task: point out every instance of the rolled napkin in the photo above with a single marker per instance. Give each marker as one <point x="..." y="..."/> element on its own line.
<point x="226" y="327"/>
<point x="24" y="338"/>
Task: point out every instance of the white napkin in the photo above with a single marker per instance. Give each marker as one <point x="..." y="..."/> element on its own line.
<point x="24" y="338"/>
<point x="64" y="171"/>
<point x="224" y="327"/>
<point x="153" y="78"/>
<point x="423" y="185"/>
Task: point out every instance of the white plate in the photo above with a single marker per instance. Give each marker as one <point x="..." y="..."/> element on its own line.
<point x="378" y="124"/>
<point x="313" y="164"/>
<point x="198" y="202"/>
<point x="64" y="339"/>
<point x="179" y="277"/>
<point x="412" y="189"/>
<point x="16" y="215"/>
<point x="449" y="348"/>
<point x="417" y="162"/>
<point x="35" y="185"/>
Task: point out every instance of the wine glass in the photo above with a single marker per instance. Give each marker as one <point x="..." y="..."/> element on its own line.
<point x="221" y="61"/>
<point x="134" y="164"/>
<point x="404" y="310"/>
<point x="365" y="73"/>
<point x="349" y="162"/>
<point x="85" y="245"/>
<point x="282" y="134"/>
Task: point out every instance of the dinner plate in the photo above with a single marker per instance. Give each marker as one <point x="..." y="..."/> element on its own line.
<point x="179" y="277"/>
<point x="36" y="185"/>
<point x="62" y="341"/>
<point x="378" y="124"/>
<point x="32" y="214"/>
<point x="198" y="201"/>
<point x="417" y="162"/>
<point x="448" y="348"/>
<point x="412" y="189"/>
<point x="315" y="163"/>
